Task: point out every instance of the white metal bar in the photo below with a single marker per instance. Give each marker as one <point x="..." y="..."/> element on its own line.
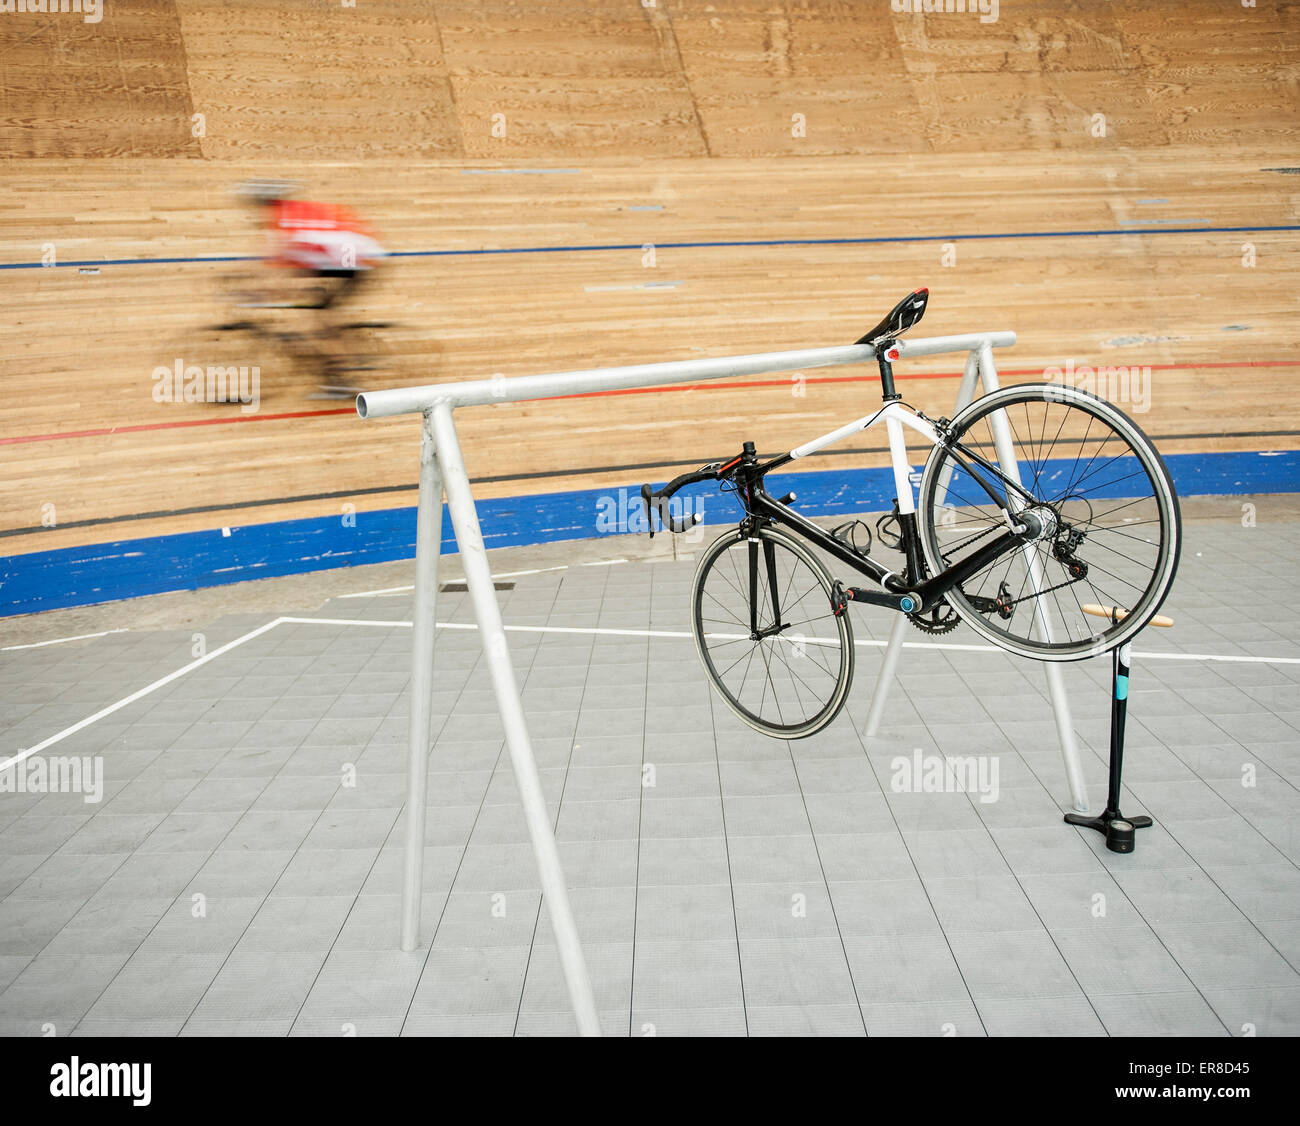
<point x="406" y="400"/>
<point x="412" y="400"/>
<point x="442" y="467"/>
<point x="478" y="577"/>
<point x="970" y="379"/>
<point x="428" y="549"/>
<point x="965" y="396"/>
<point x="1055" y="682"/>
<point x="934" y="345"/>
<point x="888" y="670"/>
<point x="1065" y="734"/>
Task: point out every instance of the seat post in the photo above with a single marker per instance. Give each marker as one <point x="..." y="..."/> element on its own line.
<point x="886" y="372"/>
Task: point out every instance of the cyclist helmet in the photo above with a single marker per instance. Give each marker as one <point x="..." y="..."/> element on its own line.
<point x="264" y="192"/>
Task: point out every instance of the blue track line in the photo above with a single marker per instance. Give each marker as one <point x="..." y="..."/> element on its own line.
<point x="102" y="572"/>
<point x="636" y="246"/>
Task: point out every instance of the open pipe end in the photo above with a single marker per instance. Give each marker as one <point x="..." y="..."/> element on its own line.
<point x="362" y="409"/>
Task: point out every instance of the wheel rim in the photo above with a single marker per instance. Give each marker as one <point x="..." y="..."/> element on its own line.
<point x="1098" y="482"/>
<point x="790" y="682"/>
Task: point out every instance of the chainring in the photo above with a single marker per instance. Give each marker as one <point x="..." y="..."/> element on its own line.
<point x="938" y="619"/>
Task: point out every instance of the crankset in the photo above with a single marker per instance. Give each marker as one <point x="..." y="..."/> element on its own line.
<point x="941" y="618"/>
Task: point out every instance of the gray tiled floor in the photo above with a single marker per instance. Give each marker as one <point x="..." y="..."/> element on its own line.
<point x="241" y="874"/>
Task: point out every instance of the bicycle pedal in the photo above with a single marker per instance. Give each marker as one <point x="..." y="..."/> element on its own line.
<point x="1004" y="606"/>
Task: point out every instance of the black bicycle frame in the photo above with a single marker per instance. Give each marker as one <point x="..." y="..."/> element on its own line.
<point x="761" y="507"/>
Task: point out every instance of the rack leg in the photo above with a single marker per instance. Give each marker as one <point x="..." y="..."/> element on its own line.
<point x="1055" y="682"/>
<point x="428" y="547"/>
<point x="888" y="670"/>
<point x="1065" y="734"/>
<point x="478" y="576"/>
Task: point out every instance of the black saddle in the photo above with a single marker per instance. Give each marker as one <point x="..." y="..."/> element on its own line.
<point x="901" y="317"/>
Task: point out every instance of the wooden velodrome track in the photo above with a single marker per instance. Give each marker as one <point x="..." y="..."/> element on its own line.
<point x="934" y="150"/>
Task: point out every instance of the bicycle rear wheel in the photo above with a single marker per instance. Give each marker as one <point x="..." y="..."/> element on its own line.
<point x="1103" y="495"/>
<point x="768" y="636"/>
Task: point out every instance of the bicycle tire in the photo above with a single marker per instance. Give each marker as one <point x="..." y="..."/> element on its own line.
<point x="827" y="657"/>
<point x="1074" y="507"/>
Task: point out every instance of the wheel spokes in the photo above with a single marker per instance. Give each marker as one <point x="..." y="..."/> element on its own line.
<point x="786" y="671"/>
<point x="1110" y="532"/>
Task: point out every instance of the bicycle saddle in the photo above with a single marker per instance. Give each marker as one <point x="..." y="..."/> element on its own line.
<point x="901" y="317"/>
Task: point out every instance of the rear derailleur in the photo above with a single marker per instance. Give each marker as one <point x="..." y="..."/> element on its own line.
<point x="1063" y="546"/>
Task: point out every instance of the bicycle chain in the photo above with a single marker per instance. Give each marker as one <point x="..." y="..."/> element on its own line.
<point x="1039" y="594"/>
<point x="1027" y="597"/>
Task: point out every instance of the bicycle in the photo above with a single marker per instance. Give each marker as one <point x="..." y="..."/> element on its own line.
<point x="334" y="353"/>
<point x="1099" y="514"/>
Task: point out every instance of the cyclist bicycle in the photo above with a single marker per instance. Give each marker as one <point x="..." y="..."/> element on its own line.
<point x="326" y="247"/>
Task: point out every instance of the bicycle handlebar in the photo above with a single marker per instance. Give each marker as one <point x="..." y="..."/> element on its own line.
<point x="658" y="501"/>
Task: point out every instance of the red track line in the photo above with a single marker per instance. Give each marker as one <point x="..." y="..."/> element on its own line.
<point x="172" y="425"/>
<point x="899" y="377"/>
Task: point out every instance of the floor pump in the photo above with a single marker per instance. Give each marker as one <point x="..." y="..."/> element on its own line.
<point x="1120" y="831"/>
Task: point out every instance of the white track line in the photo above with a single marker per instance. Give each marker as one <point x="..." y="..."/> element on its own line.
<point x="583" y="630"/>
<point x="376" y="593"/>
<point x="588" y="630"/>
<point x="872" y="643"/>
<point x="61" y="640"/>
<point x="349" y="622"/>
<point x="1217" y="657"/>
<point x="131" y="699"/>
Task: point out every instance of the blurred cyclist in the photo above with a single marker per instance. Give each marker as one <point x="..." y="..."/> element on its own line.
<point x="319" y="241"/>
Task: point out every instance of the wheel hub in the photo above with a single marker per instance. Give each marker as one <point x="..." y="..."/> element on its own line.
<point x="1040" y="522"/>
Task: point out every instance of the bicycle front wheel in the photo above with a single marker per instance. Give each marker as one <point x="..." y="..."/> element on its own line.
<point x="1101" y="492"/>
<point x="768" y="635"/>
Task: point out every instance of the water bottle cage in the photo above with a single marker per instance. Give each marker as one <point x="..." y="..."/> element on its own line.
<point x="892" y="538"/>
